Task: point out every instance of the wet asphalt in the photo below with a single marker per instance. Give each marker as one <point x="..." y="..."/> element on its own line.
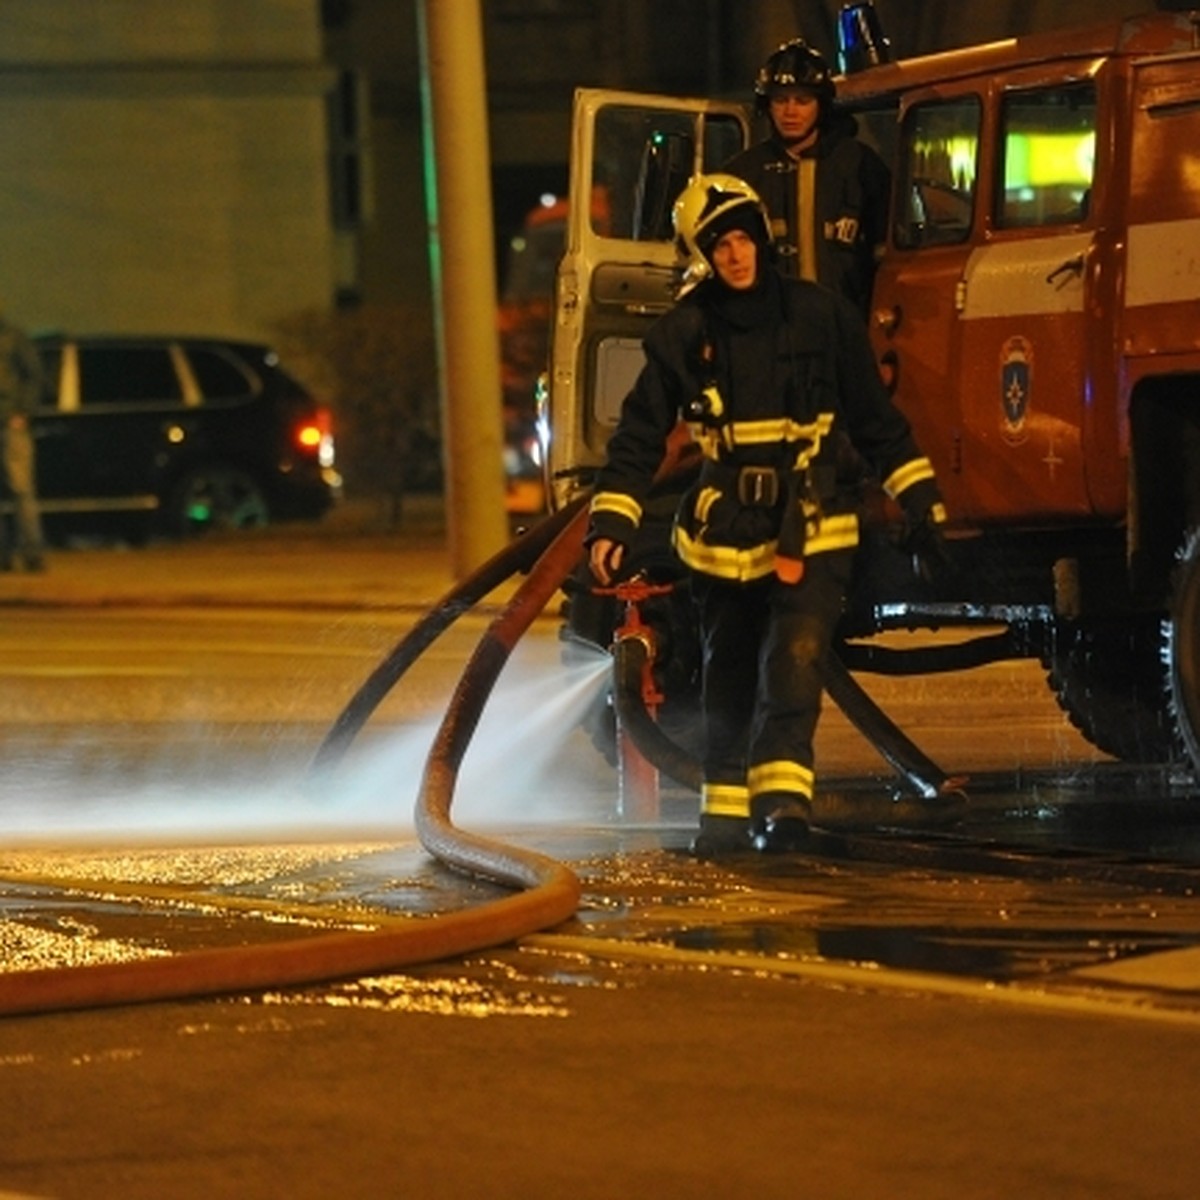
<point x="1007" y="1005"/>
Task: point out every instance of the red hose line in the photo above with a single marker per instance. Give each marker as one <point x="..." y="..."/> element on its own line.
<point x="551" y="890"/>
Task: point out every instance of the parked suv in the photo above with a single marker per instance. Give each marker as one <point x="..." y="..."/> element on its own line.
<point x="176" y="436"/>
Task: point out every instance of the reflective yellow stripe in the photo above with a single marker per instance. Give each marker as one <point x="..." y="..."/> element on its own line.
<point x="838" y="532"/>
<point x="937" y="513"/>
<point x="779" y="429"/>
<point x="619" y="503"/>
<point x="705" y="500"/>
<point x="780" y="776"/>
<point x="706" y="438"/>
<point x="726" y="562"/>
<point x="901" y="479"/>
<point x="725" y="800"/>
<point x="806" y="217"/>
<point x="716" y="406"/>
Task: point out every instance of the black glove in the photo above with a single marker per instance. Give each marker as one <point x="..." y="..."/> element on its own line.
<point x="930" y="552"/>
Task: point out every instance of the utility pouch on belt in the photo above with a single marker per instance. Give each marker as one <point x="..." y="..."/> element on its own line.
<point x="758" y="487"/>
<point x="789" y="553"/>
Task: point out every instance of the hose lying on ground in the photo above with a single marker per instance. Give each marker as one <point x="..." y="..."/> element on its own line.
<point x="552" y="889"/>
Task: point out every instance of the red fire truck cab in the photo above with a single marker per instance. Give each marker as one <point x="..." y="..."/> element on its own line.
<point x="1036" y="314"/>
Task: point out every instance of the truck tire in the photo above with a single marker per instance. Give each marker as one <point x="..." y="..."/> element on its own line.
<point x="1107" y="676"/>
<point x="1181" y="651"/>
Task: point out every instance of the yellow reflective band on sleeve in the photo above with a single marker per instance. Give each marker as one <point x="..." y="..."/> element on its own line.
<point x="619" y="503"/>
<point x="781" y="776"/>
<point x="937" y="513"/>
<point x="705" y="500"/>
<point x="725" y="800"/>
<point x="837" y="532"/>
<point x="901" y="479"/>
<point x="725" y="562"/>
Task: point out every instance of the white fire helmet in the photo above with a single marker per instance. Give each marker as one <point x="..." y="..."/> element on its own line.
<point x="709" y="207"/>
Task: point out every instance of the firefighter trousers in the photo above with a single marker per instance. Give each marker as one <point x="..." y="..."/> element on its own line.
<point x="762" y="647"/>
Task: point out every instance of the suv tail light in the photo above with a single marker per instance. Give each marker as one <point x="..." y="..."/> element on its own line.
<point x="315" y="434"/>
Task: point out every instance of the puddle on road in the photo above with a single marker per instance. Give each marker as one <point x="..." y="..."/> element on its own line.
<point x="997" y="956"/>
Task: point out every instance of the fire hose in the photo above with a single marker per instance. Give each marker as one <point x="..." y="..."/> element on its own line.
<point x="633" y="653"/>
<point x="519" y="556"/>
<point x="551" y="892"/>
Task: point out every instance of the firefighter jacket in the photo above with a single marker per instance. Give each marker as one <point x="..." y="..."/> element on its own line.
<point x="770" y="382"/>
<point x="828" y="208"/>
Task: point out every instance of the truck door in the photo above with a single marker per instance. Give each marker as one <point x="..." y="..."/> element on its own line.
<point x="913" y="314"/>
<point x="1024" y="369"/>
<point x="631" y="156"/>
<point x="980" y="306"/>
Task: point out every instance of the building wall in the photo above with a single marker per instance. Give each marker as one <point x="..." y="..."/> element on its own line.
<point x="163" y="166"/>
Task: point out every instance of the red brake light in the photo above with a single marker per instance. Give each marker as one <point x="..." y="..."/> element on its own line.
<point x="315" y="434"/>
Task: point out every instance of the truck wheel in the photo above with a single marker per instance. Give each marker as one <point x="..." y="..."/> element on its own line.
<point x="1181" y="651"/>
<point x="1107" y="676"/>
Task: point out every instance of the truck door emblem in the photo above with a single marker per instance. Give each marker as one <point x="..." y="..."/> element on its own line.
<point x="1016" y="377"/>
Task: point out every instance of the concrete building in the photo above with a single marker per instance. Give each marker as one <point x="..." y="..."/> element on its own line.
<point x="163" y="165"/>
<point x="219" y="165"/>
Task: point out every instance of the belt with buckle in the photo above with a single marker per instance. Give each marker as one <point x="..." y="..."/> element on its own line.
<point x="758" y="487"/>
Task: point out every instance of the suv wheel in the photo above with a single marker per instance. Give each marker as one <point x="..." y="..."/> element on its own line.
<point x="217" y="497"/>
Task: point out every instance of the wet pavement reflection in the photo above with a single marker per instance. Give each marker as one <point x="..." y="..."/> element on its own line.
<point x="1075" y="884"/>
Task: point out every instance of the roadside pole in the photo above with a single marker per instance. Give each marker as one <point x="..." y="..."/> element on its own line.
<point x="462" y="266"/>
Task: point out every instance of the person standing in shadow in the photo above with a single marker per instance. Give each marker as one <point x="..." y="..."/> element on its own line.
<point x="21" y="386"/>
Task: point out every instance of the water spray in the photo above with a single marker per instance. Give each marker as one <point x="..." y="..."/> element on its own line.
<point x="551" y="890"/>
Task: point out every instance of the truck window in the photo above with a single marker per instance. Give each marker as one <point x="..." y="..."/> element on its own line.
<point x="938" y="173"/>
<point x="1048" y="139"/>
<point x="643" y="157"/>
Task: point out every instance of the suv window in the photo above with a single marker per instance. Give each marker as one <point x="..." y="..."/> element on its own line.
<point x="218" y="377"/>
<point x="939" y="168"/>
<point x="1049" y="145"/>
<point x="127" y="374"/>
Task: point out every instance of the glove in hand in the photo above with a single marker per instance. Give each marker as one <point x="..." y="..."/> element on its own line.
<point x="930" y="552"/>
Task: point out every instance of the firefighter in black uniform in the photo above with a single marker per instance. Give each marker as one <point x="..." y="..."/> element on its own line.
<point x="767" y="372"/>
<point x="826" y="192"/>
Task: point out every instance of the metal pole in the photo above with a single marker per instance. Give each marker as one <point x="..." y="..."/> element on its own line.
<point x="462" y="264"/>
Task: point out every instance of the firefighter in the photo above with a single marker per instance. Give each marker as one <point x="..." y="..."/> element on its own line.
<point x="827" y="193"/>
<point x="767" y="372"/>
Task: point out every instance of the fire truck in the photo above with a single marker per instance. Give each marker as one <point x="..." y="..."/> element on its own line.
<point x="1036" y="315"/>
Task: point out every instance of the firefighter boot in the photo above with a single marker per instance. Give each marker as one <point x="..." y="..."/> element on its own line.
<point x="720" y="835"/>
<point x="779" y="822"/>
